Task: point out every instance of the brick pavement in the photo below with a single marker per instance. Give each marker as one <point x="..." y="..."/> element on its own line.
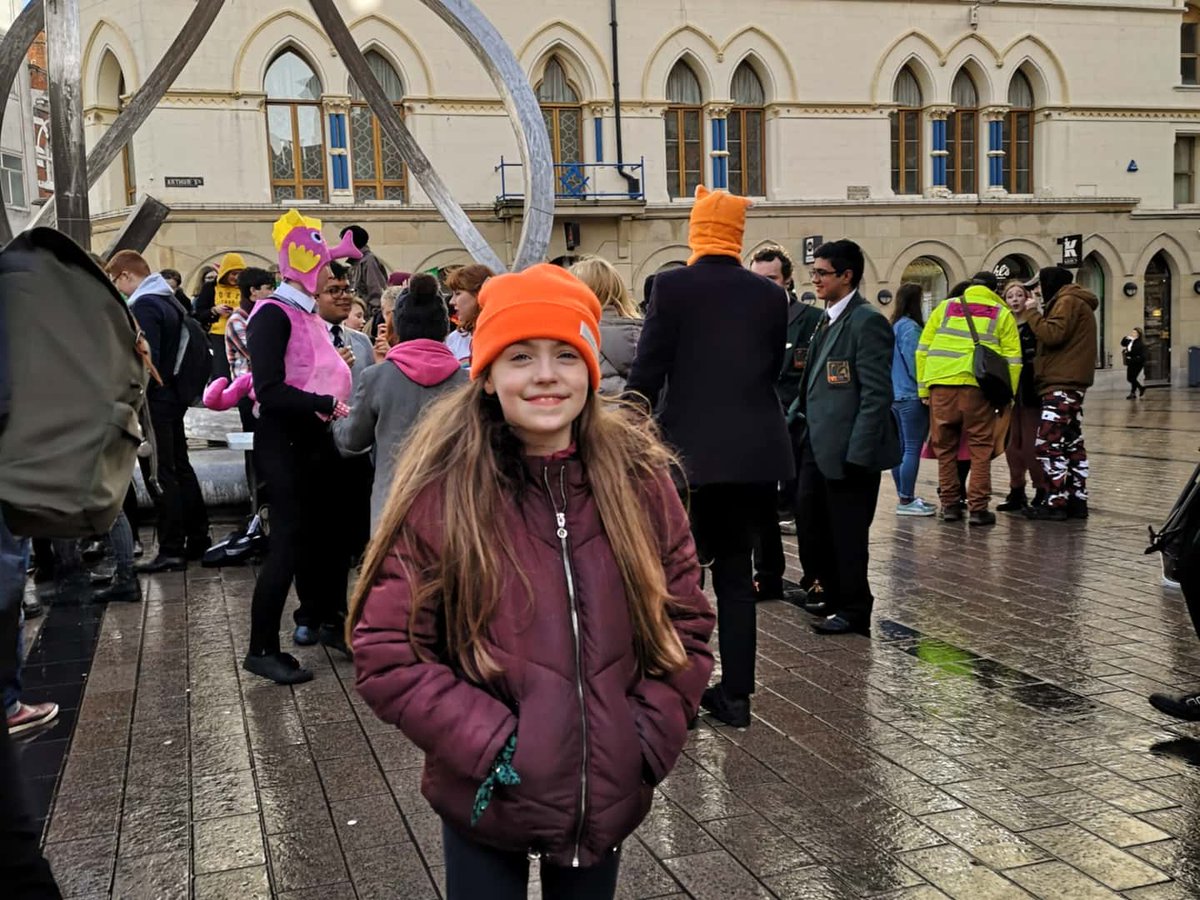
<point x="991" y="741"/>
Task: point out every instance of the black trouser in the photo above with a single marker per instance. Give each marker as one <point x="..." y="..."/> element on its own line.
<point x="182" y="517"/>
<point x="725" y="519"/>
<point x="254" y="475"/>
<point x="1132" y="372"/>
<point x="833" y="522"/>
<point x="132" y="512"/>
<point x="306" y="517"/>
<point x="474" y="871"/>
<point x="220" y="363"/>
<point x="769" y="562"/>
<point x="1189" y="583"/>
<point x="24" y="872"/>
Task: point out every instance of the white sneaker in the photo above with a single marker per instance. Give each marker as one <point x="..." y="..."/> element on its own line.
<point x="918" y="507"/>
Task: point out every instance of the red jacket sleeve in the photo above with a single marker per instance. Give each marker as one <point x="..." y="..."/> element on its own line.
<point x="439" y="711"/>
<point x="663" y="706"/>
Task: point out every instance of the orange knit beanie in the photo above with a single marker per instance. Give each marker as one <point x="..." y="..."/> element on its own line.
<point x="717" y="225"/>
<point x="544" y="301"/>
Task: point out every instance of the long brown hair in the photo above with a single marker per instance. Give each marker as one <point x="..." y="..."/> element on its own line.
<point x="462" y="445"/>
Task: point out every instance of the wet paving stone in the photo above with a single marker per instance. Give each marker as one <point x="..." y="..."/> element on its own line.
<point x="233" y="842"/>
<point x="156" y="876"/>
<point x="1104" y="862"/>
<point x="233" y="884"/>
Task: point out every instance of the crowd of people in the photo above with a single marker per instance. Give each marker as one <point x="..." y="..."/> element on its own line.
<point x="536" y="476"/>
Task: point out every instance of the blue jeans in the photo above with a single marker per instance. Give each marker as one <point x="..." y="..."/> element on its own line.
<point x="914" y="429"/>
<point x="14" y="561"/>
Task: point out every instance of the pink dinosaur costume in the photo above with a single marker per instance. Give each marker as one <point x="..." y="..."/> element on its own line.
<point x="303" y="251"/>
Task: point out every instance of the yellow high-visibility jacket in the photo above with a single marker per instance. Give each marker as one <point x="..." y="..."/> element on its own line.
<point x="946" y="352"/>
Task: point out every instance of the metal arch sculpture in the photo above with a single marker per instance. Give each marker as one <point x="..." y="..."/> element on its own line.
<point x="462" y="16"/>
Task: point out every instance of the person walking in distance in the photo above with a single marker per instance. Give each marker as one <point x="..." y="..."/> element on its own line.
<point x="957" y="405"/>
<point x="1133" y="351"/>
<point x="715" y="334"/>
<point x="1020" y="452"/>
<point x="301" y="383"/>
<point x="1064" y="368"/>
<point x="182" y="517"/>
<point x="530" y="612"/>
<point x="847" y="435"/>
<point x="912" y="414"/>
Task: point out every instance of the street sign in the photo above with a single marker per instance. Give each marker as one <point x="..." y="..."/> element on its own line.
<point x="182" y="181"/>
<point x="811" y="244"/>
<point x="1072" y="251"/>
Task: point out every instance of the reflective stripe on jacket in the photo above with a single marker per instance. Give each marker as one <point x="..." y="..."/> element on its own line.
<point x="946" y="352"/>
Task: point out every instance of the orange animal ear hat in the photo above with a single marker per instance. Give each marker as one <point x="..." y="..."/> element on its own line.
<point x="717" y="225"/>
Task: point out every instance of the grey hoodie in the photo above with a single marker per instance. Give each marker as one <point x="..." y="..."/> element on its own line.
<point x="618" y="347"/>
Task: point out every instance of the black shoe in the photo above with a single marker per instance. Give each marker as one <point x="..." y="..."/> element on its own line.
<point x="32" y="607"/>
<point x="840" y="625"/>
<point x="1039" y="497"/>
<point x="162" y="563"/>
<point x="730" y="710"/>
<point x="334" y="639"/>
<point x="1141" y="390"/>
<point x="101" y="579"/>
<point x="982" y="517"/>
<point x="952" y="513"/>
<point x="1184" y="706"/>
<point x="281" y="668"/>
<point x="1015" y="502"/>
<point x="127" y="590"/>
<point x="1046" y="513"/>
<point x="1077" y="509"/>
<point x="1131" y="396"/>
<point x="92" y="551"/>
<point x="796" y="595"/>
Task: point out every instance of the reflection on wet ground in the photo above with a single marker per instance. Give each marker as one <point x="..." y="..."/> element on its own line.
<point x="992" y="740"/>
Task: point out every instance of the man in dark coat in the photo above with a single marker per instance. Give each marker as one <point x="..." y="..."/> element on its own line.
<point x="843" y="421"/>
<point x="715" y="335"/>
<point x="368" y="275"/>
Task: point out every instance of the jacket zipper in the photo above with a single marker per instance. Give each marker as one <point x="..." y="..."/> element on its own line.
<point x="561" y="519"/>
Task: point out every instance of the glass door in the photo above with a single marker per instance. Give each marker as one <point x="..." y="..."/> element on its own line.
<point x="1156" y="326"/>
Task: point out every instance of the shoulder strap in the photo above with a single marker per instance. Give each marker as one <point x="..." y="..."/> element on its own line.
<point x="970" y="322"/>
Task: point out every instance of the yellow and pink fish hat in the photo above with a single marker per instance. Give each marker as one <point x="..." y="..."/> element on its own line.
<point x="303" y="251"/>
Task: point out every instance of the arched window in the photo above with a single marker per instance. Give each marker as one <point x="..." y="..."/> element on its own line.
<point x="1018" y="137"/>
<point x="562" y="112"/>
<point x="1189" y="46"/>
<point x="906" y="134"/>
<point x="961" y="128"/>
<point x="376" y="165"/>
<point x="747" y="135"/>
<point x="931" y="275"/>
<point x="127" y="166"/>
<point x="685" y="142"/>
<point x="295" y="129"/>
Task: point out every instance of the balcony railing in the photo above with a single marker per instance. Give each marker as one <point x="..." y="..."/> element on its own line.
<point x="581" y="181"/>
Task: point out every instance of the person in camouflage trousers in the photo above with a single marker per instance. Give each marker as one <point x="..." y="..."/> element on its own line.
<point x="1060" y="448"/>
<point x="1064" y="368"/>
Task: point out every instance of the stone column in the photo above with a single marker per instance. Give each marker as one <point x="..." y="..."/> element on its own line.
<point x="937" y="126"/>
<point x="336" y="109"/>
<point x="720" y="145"/>
<point x="994" y="116"/>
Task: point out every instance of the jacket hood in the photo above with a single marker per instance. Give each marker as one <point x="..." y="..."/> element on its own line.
<point x="979" y="292"/>
<point x="230" y="262"/>
<point x="1053" y="279"/>
<point x="1080" y="292"/>
<point x="424" y="361"/>
<point x="155" y="285"/>
<point x="717" y="224"/>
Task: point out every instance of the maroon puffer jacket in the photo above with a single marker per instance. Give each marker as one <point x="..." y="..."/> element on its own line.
<point x="590" y="732"/>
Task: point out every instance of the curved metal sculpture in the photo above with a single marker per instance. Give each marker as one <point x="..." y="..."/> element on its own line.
<point x="466" y="20"/>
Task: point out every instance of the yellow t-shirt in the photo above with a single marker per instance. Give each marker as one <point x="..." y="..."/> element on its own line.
<point x="227" y="295"/>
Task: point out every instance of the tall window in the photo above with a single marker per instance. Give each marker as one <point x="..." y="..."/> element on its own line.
<point x="562" y="112"/>
<point x="747" y="135"/>
<point x="128" y="169"/>
<point x="295" y="129"/>
<point x="12" y="180"/>
<point x="685" y="143"/>
<point x="376" y="165"/>
<point x="961" y="129"/>
<point x="1189" y="46"/>
<point x="1185" y="171"/>
<point x="1018" y="137"/>
<point x="906" y="134"/>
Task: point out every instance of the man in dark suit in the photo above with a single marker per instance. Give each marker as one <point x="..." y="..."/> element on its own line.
<point x="715" y="335"/>
<point x="847" y="436"/>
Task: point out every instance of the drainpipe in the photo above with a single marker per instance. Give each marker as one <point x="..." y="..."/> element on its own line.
<point x="635" y="185"/>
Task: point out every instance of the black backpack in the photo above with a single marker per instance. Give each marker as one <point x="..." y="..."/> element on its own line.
<point x="194" y="359"/>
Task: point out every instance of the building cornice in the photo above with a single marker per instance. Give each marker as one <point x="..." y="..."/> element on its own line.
<point x="1125" y="113"/>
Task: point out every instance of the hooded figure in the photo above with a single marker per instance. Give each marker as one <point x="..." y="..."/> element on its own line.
<point x="214" y="304"/>
<point x="369" y="276"/>
<point x="716" y="332"/>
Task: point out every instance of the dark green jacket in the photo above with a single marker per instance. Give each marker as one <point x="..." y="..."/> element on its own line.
<point x="803" y="319"/>
<point x="846" y="397"/>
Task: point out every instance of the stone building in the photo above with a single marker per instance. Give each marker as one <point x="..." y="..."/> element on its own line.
<point x="945" y="137"/>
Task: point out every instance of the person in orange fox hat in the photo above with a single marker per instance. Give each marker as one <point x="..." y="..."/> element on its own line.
<point x="716" y="333"/>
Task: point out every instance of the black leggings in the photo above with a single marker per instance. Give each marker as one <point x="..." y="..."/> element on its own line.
<point x="306" y="515"/>
<point x="474" y="871"/>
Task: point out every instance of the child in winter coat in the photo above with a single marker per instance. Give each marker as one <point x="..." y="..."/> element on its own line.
<point x="529" y="613"/>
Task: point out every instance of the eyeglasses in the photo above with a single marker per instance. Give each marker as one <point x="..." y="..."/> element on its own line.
<point x="816" y="274"/>
<point x="337" y="291"/>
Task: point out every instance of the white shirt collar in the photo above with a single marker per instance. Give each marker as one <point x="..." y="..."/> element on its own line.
<point x="834" y="312"/>
<point x="296" y="297"/>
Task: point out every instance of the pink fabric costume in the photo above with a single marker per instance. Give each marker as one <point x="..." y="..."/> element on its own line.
<point x="312" y="362"/>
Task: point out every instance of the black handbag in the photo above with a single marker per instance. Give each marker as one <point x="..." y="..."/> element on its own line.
<point x="989" y="368"/>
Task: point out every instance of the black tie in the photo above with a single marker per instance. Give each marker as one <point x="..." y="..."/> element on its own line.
<point x="336" y="331"/>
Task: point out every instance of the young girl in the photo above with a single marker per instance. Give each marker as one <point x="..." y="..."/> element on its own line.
<point x="529" y="612"/>
<point x="466" y="283"/>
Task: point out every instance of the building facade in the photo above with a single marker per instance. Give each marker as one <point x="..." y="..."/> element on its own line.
<point x="945" y="137"/>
